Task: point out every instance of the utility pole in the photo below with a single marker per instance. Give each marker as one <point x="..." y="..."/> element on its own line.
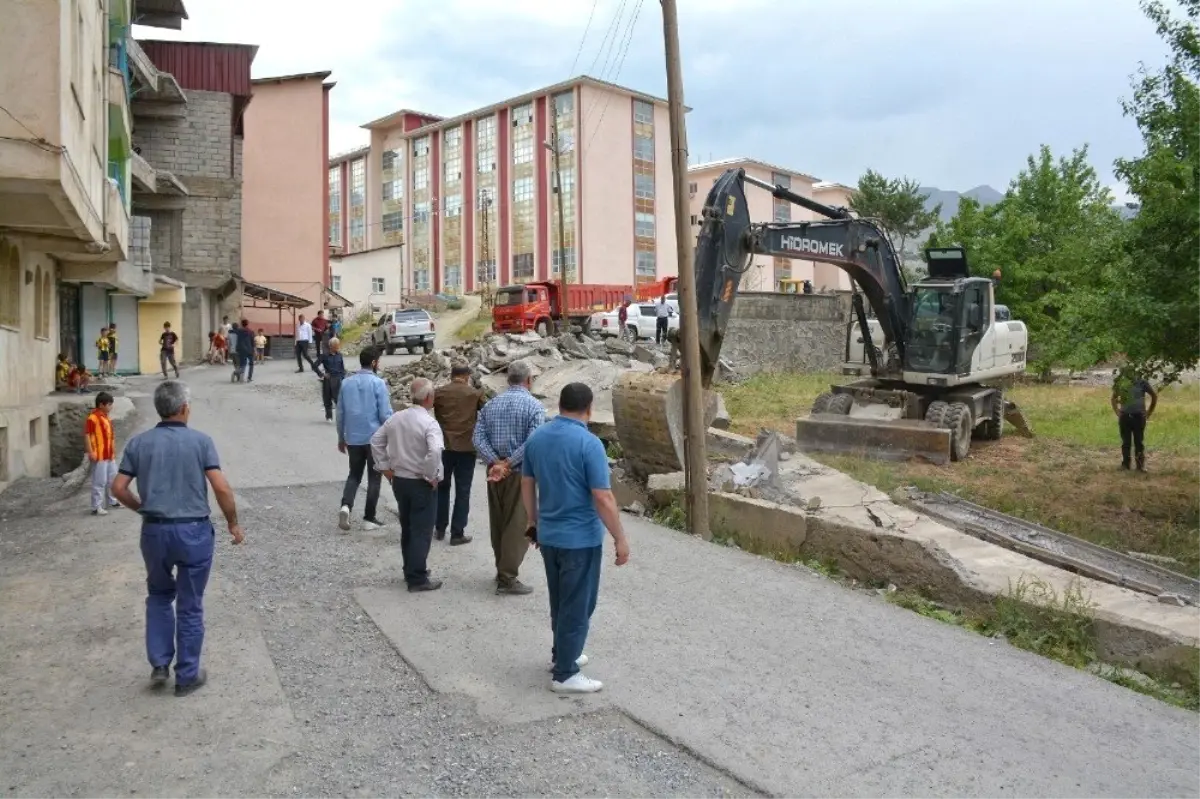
<point x="562" y="232"/>
<point x="695" y="465"/>
<point x="485" y="203"/>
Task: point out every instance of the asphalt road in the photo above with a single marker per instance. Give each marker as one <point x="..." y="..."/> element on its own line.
<point x="726" y="674"/>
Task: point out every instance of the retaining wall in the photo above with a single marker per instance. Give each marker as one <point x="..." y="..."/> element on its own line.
<point x="772" y="332"/>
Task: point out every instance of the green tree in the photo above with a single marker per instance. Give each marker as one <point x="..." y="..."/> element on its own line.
<point x="1153" y="310"/>
<point x="897" y="204"/>
<point x="1055" y="238"/>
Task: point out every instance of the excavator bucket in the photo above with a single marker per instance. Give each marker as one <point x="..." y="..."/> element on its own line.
<point x="1014" y="416"/>
<point x="876" y="439"/>
<point x="648" y="416"/>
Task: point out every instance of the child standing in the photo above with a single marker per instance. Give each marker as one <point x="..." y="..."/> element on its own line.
<point x="260" y="346"/>
<point x="102" y="351"/>
<point x="101" y="444"/>
<point x="219" y="346"/>
<point x="112" y="348"/>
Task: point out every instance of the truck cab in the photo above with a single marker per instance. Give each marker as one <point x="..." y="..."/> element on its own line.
<point x="520" y="308"/>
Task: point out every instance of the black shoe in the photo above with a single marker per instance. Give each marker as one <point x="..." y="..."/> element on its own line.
<point x="459" y="540"/>
<point x="159" y="675"/>
<point x="516" y="588"/>
<point x="428" y="585"/>
<point x="184" y="690"/>
<point x="1125" y="465"/>
<point x="439" y="535"/>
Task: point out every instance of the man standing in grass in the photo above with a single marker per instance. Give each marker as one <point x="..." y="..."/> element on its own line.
<point x="1128" y="401"/>
<point x="102" y="452"/>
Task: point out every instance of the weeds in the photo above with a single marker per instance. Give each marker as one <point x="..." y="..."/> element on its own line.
<point x="474" y="328"/>
<point x="613" y="450"/>
<point x="672" y="516"/>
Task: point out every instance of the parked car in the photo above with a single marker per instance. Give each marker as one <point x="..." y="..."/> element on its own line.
<point x="640" y="322"/>
<point x="408" y="328"/>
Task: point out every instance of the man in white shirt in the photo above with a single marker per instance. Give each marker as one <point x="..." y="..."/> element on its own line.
<point x="408" y="450"/>
<point x="304" y="338"/>
<point x="663" y="313"/>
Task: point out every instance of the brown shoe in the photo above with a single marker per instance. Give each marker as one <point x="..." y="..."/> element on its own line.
<point x="516" y="588"/>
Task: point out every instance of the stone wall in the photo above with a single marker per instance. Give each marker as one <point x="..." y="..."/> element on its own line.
<point x="772" y="332"/>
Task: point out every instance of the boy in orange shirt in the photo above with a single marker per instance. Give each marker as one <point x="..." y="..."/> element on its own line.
<point x="102" y="452"/>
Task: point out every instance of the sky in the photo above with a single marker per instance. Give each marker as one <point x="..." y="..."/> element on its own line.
<point x="953" y="93"/>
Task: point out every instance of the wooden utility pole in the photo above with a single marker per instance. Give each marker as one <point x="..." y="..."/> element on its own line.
<point x="485" y="202"/>
<point x="564" y="276"/>
<point x="695" y="465"/>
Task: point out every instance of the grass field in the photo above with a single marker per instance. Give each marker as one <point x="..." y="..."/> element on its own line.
<point x="1066" y="478"/>
<point x="473" y="328"/>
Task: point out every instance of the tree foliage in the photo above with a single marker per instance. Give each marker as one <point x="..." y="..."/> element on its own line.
<point x="1055" y="238"/>
<point x="897" y="204"/>
<point x="1154" y="305"/>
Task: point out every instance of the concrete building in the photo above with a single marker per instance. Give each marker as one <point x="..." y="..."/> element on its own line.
<point x="369" y="280"/>
<point x="470" y="199"/>
<point x="766" y="272"/>
<point x="284" y="194"/>
<point x="188" y="136"/>
<point x="65" y="163"/>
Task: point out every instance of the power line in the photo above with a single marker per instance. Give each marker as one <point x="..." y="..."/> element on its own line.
<point x="583" y="39"/>
<point x="613" y="25"/>
<point x="637" y="10"/>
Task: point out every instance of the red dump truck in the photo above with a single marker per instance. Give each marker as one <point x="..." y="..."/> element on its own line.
<point x="550" y="307"/>
<point x="650" y="292"/>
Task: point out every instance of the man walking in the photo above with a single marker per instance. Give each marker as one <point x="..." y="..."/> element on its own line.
<point x="331" y="370"/>
<point x="102" y="452"/>
<point x="243" y="348"/>
<point x="174" y="465"/>
<point x="363" y="406"/>
<point x="166" y="350"/>
<point x="1129" y="404"/>
<point x="567" y="495"/>
<point x="320" y="327"/>
<point x="456" y="407"/>
<point x="304" y="337"/>
<point x="408" y="450"/>
<point x="662" y="318"/>
<point x="504" y="424"/>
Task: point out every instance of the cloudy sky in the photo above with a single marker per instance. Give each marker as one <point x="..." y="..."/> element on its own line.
<point x="954" y="93"/>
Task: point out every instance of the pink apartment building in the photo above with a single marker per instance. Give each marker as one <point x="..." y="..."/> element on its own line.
<point x="447" y="205"/>
<point x="766" y="272"/>
<point x="284" y="196"/>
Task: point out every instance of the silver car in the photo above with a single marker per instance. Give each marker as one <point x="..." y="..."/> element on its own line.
<point x="408" y="328"/>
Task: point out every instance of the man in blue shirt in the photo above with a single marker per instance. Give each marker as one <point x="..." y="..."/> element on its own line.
<point x="174" y="465"/>
<point x="363" y="406"/>
<point x="567" y="496"/>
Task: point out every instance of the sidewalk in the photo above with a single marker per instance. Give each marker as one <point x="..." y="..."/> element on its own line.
<point x="329" y="678"/>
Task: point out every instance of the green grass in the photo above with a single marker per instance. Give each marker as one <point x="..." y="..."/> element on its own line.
<point x="476" y="327"/>
<point x="1065" y="478"/>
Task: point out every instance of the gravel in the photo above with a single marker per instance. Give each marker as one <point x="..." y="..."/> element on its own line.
<point x="370" y="724"/>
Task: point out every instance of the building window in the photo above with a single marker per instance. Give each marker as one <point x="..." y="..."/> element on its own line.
<point x="783" y="270"/>
<point x="782" y="211"/>
<point x="393" y="190"/>
<point x="643" y="148"/>
<point x="335" y="189"/>
<point x="335" y="232"/>
<point x="454" y="205"/>
<point x="378" y="285"/>
<point x="453" y="280"/>
<point x="420" y="177"/>
<point x="485" y="145"/>
<point x="691" y="188"/>
<point x="10" y="285"/>
<point x="643" y="186"/>
<point x="358" y="182"/>
<point x="358" y="229"/>
<point x="523" y="149"/>
<point x="570" y="259"/>
<point x="393" y="222"/>
<point x="46" y="294"/>
<point x="644" y="226"/>
<point x="485" y="271"/>
<point x="522" y="115"/>
<point x="453" y="137"/>
<point x="522" y="139"/>
<point x="522" y="190"/>
<point x="645" y="264"/>
<point x="420" y="147"/>
<point x="564" y="103"/>
<point x="781" y="179"/>
<point x="454" y="169"/>
<point x="420" y="213"/>
<point x="523" y="266"/>
<point x="421" y="279"/>
<point x="335" y="283"/>
<point x="643" y="112"/>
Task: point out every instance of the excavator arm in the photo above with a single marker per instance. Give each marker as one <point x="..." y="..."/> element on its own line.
<point x="728" y="241"/>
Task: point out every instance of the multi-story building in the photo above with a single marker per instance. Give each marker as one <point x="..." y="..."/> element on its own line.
<point x="284" y="184"/>
<point x="470" y="201"/>
<point x="65" y="163"/>
<point x="766" y="271"/>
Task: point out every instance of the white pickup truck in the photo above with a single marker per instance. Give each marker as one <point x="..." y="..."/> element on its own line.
<point x="641" y="321"/>
<point x="409" y="328"/>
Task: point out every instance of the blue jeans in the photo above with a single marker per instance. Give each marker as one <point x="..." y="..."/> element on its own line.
<point x="178" y="558"/>
<point x="573" y="584"/>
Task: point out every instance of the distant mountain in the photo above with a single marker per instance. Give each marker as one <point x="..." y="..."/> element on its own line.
<point x="984" y="195"/>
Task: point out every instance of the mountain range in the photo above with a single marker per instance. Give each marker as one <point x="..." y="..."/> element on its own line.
<point x="984" y="195"/>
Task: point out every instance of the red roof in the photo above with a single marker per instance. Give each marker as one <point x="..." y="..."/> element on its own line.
<point x="205" y="66"/>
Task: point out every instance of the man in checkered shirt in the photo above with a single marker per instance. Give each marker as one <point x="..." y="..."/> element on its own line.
<point x="504" y="425"/>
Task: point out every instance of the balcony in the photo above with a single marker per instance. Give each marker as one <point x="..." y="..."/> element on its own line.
<point x="155" y="93"/>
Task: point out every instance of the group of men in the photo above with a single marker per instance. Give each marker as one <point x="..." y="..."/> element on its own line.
<point x="548" y="486"/>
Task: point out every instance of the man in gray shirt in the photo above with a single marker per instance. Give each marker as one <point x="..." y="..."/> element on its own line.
<point x="1129" y="404"/>
<point x="174" y="466"/>
<point x="408" y="450"/>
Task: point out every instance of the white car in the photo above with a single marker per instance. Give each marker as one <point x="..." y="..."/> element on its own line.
<point x="409" y="328"/>
<point x="641" y="321"/>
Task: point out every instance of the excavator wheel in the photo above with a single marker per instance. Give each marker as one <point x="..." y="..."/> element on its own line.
<point x="841" y="404"/>
<point x="993" y="428"/>
<point x="821" y="403"/>
<point x="934" y="413"/>
<point x="957" y="419"/>
<point x="648" y="417"/>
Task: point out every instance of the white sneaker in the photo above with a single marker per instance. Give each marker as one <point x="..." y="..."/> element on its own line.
<point x="371" y="526"/>
<point x="99" y="512"/>
<point x="344" y="518"/>
<point x="577" y="684"/>
<point x="581" y="661"/>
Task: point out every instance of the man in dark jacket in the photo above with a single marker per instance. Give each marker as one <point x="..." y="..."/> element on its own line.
<point x="243" y="349"/>
<point x="331" y="369"/>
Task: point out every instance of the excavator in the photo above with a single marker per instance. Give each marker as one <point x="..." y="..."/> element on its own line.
<point x="936" y="350"/>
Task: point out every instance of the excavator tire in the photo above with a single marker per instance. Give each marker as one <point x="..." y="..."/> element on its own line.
<point x="993" y="427"/>
<point x="648" y="417"/>
<point x="841" y="404"/>
<point x="821" y="403"/>
<point x="936" y="410"/>
<point x="957" y="419"/>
